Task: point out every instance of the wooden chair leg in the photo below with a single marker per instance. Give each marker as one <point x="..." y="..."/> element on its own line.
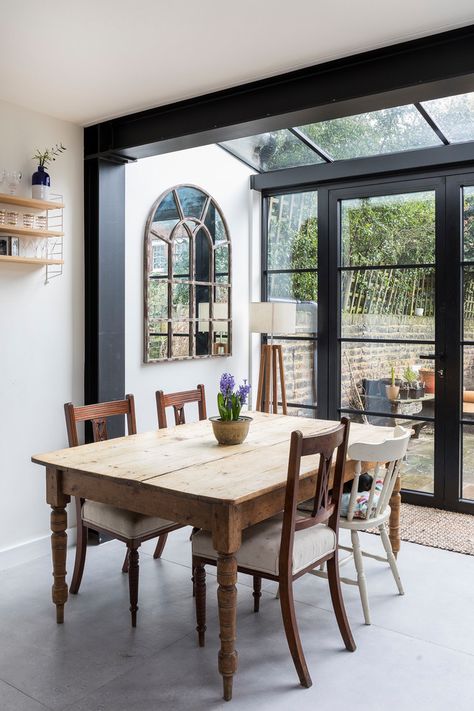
<point x="126" y="562"/>
<point x="338" y="603"/>
<point x="291" y="630"/>
<point x="200" y="585"/>
<point x="257" y="592"/>
<point x="81" y="550"/>
<point x="391" y="558"/>
<point x="133" y="572"/>
<point x="361" y="582"/>
<point x="160" y="545"/>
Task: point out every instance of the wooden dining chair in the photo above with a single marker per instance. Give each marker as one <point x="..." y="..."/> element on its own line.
<point x="290" y="544"/>
<point x="126" y="526"/>
<point x="177" y="401"/>
<point x="371" y="509"/>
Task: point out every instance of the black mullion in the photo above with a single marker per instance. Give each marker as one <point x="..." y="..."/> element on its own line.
<point x="379" y="267"/>
<point x="296" y="270"/>
<point x="431" y="122"/>
<point x="410" y="341"/>
<point x="391" y="415"/>
<point x="312" y="145"/>
<point x="334" y="301"/>
<point x="281" y="337"/>
<point x="303" y="407"/>
<point x="324" y="385"/>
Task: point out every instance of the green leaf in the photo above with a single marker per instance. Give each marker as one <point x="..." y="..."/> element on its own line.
<point x="236" y="407"/>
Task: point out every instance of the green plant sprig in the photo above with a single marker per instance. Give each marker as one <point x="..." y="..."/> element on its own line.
<point x="44" y="158"/>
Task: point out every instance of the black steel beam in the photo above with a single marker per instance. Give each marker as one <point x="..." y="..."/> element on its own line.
<point x="402" y="73"/>
<point x="395" y="163"/>
<point x="104" y="254"/>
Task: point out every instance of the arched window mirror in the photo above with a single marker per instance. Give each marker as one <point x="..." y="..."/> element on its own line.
<point x="187" y="277"/>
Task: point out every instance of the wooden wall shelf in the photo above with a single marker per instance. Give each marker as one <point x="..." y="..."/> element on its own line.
<point x="30" y="202"/>
<point x="30" y="260"/>
<point x="29" y="232"/>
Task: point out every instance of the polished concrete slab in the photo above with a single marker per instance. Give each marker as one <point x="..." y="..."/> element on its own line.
<point x="417" y="654"/>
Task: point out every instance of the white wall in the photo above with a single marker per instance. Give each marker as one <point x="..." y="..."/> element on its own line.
<point x="41" y="334"/>
<point x="227" y="180"/>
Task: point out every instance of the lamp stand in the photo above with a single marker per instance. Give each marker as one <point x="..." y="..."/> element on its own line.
<point x="271" y="361"/>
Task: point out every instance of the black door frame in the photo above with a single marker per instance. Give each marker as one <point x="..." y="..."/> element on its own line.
<point x="448" y="321"/>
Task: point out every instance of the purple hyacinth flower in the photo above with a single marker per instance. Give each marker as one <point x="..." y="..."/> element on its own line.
<point x="227" y="384"/>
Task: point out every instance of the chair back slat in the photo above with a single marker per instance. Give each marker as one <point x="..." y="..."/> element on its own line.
<point x="97" y="415"/>
<point x="325" y="506"/>
<point x="388" y="454"/>
<point x="177" y="401"/>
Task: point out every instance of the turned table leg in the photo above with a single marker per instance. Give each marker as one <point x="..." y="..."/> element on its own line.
<point x="57" y="500"/>
<point x="227" y="601"/>
<point x="394" y="523"/>
<point x="59" y="549"/>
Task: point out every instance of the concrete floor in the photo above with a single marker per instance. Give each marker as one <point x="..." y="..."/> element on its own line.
<point x="418" y="653"/>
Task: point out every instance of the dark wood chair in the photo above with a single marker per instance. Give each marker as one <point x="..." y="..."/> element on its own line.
<point x="177" y="401"/>
<point x="126" y="526"/>
<point x="291" y="544"/>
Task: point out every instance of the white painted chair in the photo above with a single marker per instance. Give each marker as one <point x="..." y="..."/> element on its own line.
<point x="387" y="455"/>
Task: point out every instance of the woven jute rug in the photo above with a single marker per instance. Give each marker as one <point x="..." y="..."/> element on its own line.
<point x="436" y="528"/>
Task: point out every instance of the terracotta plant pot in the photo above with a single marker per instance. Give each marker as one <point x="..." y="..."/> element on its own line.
<point x="428" y="377"/>
<point x="392" y="391"/>
<point x="230" y="431"/>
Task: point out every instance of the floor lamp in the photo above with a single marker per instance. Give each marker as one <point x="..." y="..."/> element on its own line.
<point x="272" y="317"/>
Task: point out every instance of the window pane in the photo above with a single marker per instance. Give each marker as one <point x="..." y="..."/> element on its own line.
<point x="388" y="303"/>
<point x="454" y="115"/>
<point x="390" y="229"/>
<point x="468" y="462"/>
<point x="387" y="131"/>
<point x="179" y="344"/>
<point x="203" y="256"/>
<point x="215" y="224"/>
<point x="192" y="201"/>
<point x="157" y="299"/>
<point x="180" y="250"/>
<point x="468" y="383"/>
<point x="300" y="365"/>
<point x="293" y="287"/>
<point x="180" y="301"/>
<point x="221" y="331"/>
<point x="468" y="223"/>
<point x="157" y="347"/>
<point x="269" y="151"/>
<point x="159" y="257"/>
<point x="293" y="231"/>
<point x="417" y="471"/>
<point x="468" y="294"/>
<point x="366" y="374"/>
<point x="221" y="256"/>
<point x="166" y="216"/>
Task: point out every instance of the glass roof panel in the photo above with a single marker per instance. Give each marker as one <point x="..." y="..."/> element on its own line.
<point x="270" y="151"/>
<point x="386" y="131"/>
<point x="454" y="115"/>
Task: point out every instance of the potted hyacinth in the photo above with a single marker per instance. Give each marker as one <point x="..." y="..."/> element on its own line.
<point x="230" y="427"/>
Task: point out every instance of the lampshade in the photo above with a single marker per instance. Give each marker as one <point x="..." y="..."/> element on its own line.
<point x="221" y="311"/>
<point x="272" y="317"/>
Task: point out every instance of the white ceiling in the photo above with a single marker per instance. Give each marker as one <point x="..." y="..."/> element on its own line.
<point x="96" y="59"/>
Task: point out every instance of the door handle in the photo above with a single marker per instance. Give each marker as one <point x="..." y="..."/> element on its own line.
<point x="431" y="356"/>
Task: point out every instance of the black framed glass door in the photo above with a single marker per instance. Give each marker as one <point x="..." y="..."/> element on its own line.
<point x="389" y="265"/>
<point x="387" y="332"/>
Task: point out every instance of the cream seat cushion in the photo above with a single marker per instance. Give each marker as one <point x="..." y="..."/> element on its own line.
<point x="260" y="547"/>
<point x="121" y="522"/>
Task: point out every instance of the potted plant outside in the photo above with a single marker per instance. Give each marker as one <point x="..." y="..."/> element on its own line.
<point x="231" y="427"/>
<point x="428" y="377"/>
<point x="392" y="391"/>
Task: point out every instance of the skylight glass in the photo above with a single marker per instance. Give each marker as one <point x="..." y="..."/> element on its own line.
<point x="454" y="115"/>
<point x="386" y="131"/>
<point x="270" y="151"/>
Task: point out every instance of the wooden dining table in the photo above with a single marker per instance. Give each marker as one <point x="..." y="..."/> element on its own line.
<point x="183" y="475"/>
